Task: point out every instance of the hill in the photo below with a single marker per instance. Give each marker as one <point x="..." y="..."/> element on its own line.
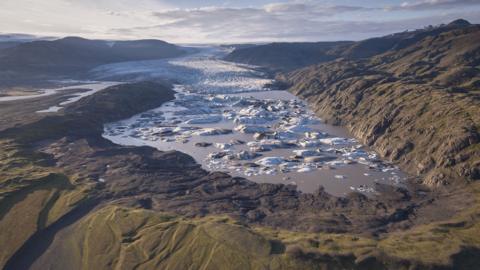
<point x="290" y="56"/>
<point x="286" y="56"/>
<point x="73" y="55"/>
<point x="418" y="103"/>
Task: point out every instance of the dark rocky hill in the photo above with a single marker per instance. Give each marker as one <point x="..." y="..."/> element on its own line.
<point x="290" y="56"/>
<point x="73" y="55"/>
<point x="287" y="56"/>
<point x="418" y="104"/>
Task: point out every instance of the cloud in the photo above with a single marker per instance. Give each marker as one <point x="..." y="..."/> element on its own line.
<point x="312" y="8"/>
<point x="434" y="4"/>
<point x="279" y="23"/>
<point x="295" y="20"/>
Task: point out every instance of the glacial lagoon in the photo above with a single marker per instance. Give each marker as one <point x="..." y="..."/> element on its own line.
<point x="227" y="119"/>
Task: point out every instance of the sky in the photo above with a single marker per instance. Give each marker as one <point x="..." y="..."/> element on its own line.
<point x="217" y="21"/>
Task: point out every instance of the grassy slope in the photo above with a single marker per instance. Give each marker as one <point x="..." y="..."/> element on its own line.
<point x="32" y="197"/>
<point x="126" y="238"/>
<point x="33" y="193"/>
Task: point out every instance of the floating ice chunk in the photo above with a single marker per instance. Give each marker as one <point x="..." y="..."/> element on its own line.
<point x="181" y="140"/>
<point x="261" y="135"/>
<point x="285" y="135"/>
<point x="222" y="99"/>
<point x="314" y="135"/>
<point x="246" y="155"/>
<point x="196" y="111"/>
<point x="298" y="129"/>
<point x="229" y="115"/>
<point x="212" y="131"/>
<point x="218" y="155"/>
<point x="271" y="144"/>
<point x="248" y="129"/>
<point x="223" y="146"/>
<point x="314" y="159"/>
<point x="301" y="121"/>
<point x="305" y="153"/>
<point x="253" y="111"/>
<point x="237" y="142"/>
<point x="335" y="162"/>
<point x="270" y="172"/>
<point x="260" y="148"/>
<point x="270" y="161"/>
<point x="253" y="120"/>
<point x="336" y="141"/>
<point x="241" y="103"/>
<point x="204" y="120"/>
<point x="304" y="169"/>
<point x="358" y="153"/>
<point x="309" y="143"/>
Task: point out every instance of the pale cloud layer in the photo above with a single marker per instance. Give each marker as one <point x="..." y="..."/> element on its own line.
<point x="224" y="22"/>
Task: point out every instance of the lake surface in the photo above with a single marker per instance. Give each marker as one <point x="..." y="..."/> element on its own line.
<point x="227" y="120"/>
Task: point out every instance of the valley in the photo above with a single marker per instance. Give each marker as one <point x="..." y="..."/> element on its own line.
<point x="353" y="155"/>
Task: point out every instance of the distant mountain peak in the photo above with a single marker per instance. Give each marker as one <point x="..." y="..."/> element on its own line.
<point x="460" y="22"/>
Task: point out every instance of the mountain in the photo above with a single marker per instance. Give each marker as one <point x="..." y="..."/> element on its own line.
<point x="394" y="42"/>
<point x="16" y="37"/>
<point x="286" y="56"/>
<point x="290" y="56"/>
<point x="73" y="55"/>
<point x="417" y="104"/>
<point x="145" y="49"/>
<point x="8" y="44"/>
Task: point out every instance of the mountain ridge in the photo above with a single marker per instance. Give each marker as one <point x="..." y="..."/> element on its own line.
<point x="264" y="55"/>
<point x="72" y="56"/>
<point x="417" y="106"/>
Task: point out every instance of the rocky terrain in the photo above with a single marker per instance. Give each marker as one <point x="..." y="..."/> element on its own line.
<point x="418" y="105"/>
<point x="101" y="204"/>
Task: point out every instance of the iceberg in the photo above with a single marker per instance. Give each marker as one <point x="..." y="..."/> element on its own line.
<point x="270" y="161"/>
<point x="305" y="153"/>
<point x="337" y="141"/>
<point x="248" y="129"/>
<point x="204" y="120"/>
<point x="212" y="132"/>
